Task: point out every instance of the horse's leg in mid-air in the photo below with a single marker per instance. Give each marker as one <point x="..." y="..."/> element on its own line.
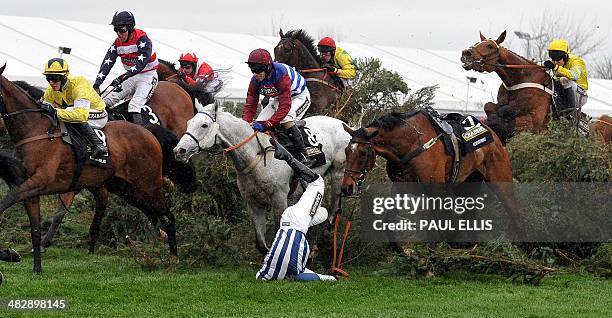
<point x="101" y="198"/>
<point x="499" y="176"/>
<point x="258" y="214"/>
<point x="65" y="201"/>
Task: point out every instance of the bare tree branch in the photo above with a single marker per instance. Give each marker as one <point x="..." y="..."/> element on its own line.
<point x="578" y="32"/>
<point x="602" y="68"/>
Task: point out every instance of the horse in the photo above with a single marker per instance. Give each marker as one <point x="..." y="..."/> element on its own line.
<point x="296" y="48"/>
<point x="411" y="145"/>
<point x="262" y="180"/>
<point x="135" y="175"/>
<point x="202" y="91"/>
<point x="602" y="129"/>
<point x="525" y="97"/>
<point x="173" y="113"/>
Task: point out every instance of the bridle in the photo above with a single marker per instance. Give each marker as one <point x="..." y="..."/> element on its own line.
<point x="359" y="175"/>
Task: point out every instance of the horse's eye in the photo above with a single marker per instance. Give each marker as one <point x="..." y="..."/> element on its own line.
<point x="204" y="125"/>
<point x="490" y="46"/>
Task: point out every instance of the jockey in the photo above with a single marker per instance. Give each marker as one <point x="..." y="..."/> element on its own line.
<point x="73" y="100"/>
<point x="139" y="60"/>
<point x="187" y="72"/>
<point x="290" y="98"/>
<point x="570" y="71"/>
<point x="342" y="64"/>
<point x="290" y="249"/>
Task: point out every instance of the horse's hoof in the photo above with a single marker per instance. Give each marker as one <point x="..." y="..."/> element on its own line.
<point x="174" y="259"/>
<point x="168" y="185"/>
<point x="9" y="255"/>
<point x="42" y="250"/>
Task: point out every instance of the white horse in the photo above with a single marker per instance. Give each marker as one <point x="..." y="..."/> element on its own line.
<point x="263" y="181"/>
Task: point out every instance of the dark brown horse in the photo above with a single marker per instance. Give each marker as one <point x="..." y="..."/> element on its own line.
<point x="200" y="90"/>
<point x="297" y="48"/>
<point x="408" y="142"/>
<point x="135" y="176"/>
<point x="525" y="97"/>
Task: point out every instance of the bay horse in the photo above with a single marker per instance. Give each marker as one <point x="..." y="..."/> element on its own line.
<point x="263" y="181"/>
<point x="173" y="107"/>
<point x="414" y="153"/>
<point x="202" y="91"/>
<point x="135" y="176"/>
<point x="525" y="97"/>
<point x="296" y="48"/>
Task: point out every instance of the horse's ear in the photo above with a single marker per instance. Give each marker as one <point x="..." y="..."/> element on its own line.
<point x="347" y="129"/>
<point x="281" y="33"/>
<point x="2" y="68"/>
<point x="372" y="134"/>
<point x="501" y="38"/>
<point x="482" y="37"/>
<point x="297" y="34"/>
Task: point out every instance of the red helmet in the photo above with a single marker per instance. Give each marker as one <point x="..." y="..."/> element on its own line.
<point x="188" y="57"/>
<point x="327" y="41"/>
<point x="260" y="56"/>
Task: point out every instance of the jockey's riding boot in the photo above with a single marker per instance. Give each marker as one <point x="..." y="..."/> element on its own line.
<point x="296" y="137"/>
<point x="137" y="119"/>
<point x="99" y="149"/>
<point x="570" y="101"/>
<point x="302" y="171"/>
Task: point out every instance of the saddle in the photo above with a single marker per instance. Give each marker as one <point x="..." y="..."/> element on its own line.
<point x="83" y="150"/>
<point x="120" y="112"/>
<point x="460" y="134"/>
<point x="314" y="148"/>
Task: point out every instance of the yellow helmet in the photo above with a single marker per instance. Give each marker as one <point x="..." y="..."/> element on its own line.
<point x="559" y="45"/>
<point x="56" y="66"/>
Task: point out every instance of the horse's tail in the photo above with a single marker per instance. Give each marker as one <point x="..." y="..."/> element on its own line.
<point x="12" y="171"/>
<point x="181" y="173"/>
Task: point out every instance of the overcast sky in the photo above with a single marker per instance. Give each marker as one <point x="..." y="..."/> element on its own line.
<point x="450" y="25"/>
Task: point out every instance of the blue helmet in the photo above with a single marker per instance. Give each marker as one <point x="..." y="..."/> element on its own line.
<point x="123" y="18"/>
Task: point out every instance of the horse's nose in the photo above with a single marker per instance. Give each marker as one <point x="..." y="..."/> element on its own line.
<point x="179" y="153"/>
<point x="466" y="53"/>
<point x="347" y="189"/>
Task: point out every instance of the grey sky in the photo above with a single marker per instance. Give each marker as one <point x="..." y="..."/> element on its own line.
<point x="428" y="24"/>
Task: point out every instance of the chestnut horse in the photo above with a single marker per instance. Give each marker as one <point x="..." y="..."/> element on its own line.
<point x="296" y="48"/>
<point x="135" y="176"/>
<point x="410" y="144"/>
<point x="602" y="129"/>
<point x="525" y="97"/>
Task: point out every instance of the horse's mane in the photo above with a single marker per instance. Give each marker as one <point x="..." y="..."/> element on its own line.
<point x="34" y="92"/>
<point x="306" y="40"/>
<point x="528" y="61"/>
<point x="169" y="64"/>
<point x="389" y="121"/>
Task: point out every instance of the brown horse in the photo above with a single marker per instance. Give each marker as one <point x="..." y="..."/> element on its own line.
<point x="410" y="144"/>
<point x="205" y="95"/>
<point x="171" y="105"/>
<point x="525" y="97"/>
<point x="135" y="176"/>
<point x="297" y="48"/>
<point x="602" y="129"/>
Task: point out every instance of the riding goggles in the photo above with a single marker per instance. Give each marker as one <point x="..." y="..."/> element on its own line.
<point x="120" y="29"/>
<point x="55" y="78"/>
<point x="258" y="68"/>
<point x="556" y="55"/>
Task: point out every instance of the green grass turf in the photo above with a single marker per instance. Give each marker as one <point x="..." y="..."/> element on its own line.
<point x="105" y="285"/>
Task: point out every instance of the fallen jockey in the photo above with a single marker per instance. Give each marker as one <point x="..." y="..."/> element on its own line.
<point x="290" y="249"/>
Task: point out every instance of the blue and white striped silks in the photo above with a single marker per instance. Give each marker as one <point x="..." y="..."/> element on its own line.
<point x="287" y="257"/>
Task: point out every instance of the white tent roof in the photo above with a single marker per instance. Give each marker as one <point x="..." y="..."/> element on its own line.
<point x="29" y="42"/>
